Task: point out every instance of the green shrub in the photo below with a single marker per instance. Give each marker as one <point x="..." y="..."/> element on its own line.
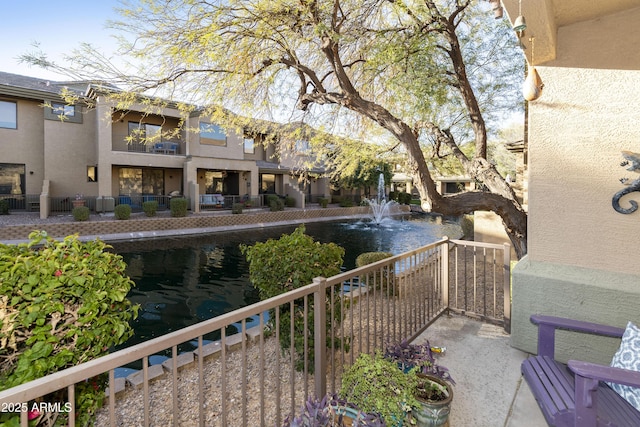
<point x="376" y="385"/>
<point x="294" y="260"/>
<point x="81" y="213"/>
<point x="4" y="207"/>
<point x="276" y="204"/>
<point x="384" y="278"/>
<point x="150" y="207"/>
<point x="323" y="202"/>
<point x="122" y="211"/>
<point x="178" y="207"/>
<point x="290" y="202"/>
<point x="236" y="208"/>
<point x="393" y="195"/>
<point x="346" y="203"/>
<point x="467" y="225"/>
<point x="404" y="198"/>
<point x="61" y="304"/>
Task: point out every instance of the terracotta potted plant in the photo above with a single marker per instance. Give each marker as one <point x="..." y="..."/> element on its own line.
<point x="79" y="201"/>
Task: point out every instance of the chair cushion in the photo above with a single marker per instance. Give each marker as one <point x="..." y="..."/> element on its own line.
<point x="628" y="357"/>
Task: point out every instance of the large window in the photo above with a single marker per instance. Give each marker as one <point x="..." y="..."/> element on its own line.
<point x="11" y="178"/>
<point x="8" y="115"/>
<point x="211" y="134"/>
<point x="267" y="183"/>
<point x="136" y="181"/>
<point x="249" y="146"/>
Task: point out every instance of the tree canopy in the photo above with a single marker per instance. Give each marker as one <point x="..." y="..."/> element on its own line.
<point x="402" y="75"/>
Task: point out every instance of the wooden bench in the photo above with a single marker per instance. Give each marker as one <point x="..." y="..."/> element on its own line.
<point x="574" y="395"/>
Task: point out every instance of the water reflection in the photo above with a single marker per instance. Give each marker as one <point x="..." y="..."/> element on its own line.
<point x="184" y="280"/>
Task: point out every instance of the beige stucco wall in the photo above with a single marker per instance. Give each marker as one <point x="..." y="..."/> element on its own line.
<point x="68" y="149"/>
<point x="24" y="145"/>
<point x="582" y="255"/>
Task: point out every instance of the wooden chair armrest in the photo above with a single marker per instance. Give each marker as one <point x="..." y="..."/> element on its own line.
<point x="547" y="326"/>
<point x="605" y="373"/>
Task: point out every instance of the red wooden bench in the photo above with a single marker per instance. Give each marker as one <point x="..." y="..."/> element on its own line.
<point x="574" y="395"/>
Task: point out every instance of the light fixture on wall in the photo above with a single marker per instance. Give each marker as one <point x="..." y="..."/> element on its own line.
<point x="519" y="25"/>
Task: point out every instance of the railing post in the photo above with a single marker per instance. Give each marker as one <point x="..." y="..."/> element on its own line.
<point x="507" y="287"/>
<point x="320" y="336"/>
<point x="444" y="253"/>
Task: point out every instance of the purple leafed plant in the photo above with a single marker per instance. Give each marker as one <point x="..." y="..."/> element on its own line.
<point x="330" y="412"/>
<point x="409" y="356"/>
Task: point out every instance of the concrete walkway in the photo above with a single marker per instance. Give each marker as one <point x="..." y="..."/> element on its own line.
<point x="489" y="390"/>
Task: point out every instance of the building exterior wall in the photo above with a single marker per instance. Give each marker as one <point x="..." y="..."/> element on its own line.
<point x="25" y="144"/>
<point x="582" y="257"/>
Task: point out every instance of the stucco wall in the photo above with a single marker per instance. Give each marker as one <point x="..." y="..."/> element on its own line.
<point x="582" y="255"/>
<point x="24" y="145"/>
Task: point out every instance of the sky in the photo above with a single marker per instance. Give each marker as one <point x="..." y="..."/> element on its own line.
<point x="59" y="27"/>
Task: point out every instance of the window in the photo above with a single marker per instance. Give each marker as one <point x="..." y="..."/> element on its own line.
<point x="211" y="134"/>
<point x="92" y="174"/>
<point x="8" y="115"/>
<point x="12" y="180"/>
<point x="267" y="183"/>
<point x="62" y="110"/>
<point x="136" y="181"/>
<point x="249" y="146"/>
<point x="302" y="146"/>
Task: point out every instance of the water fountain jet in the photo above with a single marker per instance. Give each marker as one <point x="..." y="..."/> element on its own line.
<point x="379" y="206"/>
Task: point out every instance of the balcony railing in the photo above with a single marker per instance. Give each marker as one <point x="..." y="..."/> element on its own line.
<point x="120" y="143"/>
<point x="243" y="369"/>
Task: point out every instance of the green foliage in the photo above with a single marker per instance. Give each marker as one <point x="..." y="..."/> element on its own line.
<point x="122" y="211"/>
<point x="366" y="174"/>
<point x="178" y="207"/>
<point x="150" y="207"/>
<point x="81" y="213"/>
<point x="276" y="204"/>
<point x="290" y="202"/>
<point x="346" y="203"/>
<point x="371" y="257"/>
<point x="375" y="384"/>
<point x="467" y="225"/>
<point x="293" y="261"/>
<point x="404" y="198"/>
<point x="4" y="207"/>
<point x="237" y="208"/>
<point x="323" y="202"/>
<point x="62" y="303"/>
<point x="384" y="278"/>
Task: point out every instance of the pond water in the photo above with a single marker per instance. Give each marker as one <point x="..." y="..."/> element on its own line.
<point x="184" y="280"/>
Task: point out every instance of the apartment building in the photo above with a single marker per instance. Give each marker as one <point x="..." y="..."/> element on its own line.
<point x="52" y="153"/>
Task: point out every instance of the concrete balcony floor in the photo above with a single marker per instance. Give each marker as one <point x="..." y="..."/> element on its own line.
<point x="489" y="390"/>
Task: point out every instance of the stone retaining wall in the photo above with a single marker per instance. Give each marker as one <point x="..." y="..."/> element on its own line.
<point x="192" y="221"/>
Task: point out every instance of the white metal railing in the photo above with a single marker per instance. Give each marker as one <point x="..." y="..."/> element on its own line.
<point x="243" y="369"/>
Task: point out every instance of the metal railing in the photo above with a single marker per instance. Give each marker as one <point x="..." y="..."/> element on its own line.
<point x="215" y="201"/>
<point x="22" y="202"/>
<point x="256" y="365"/>
<point x="136" y="201"/>
<point x="172" y="147"/>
